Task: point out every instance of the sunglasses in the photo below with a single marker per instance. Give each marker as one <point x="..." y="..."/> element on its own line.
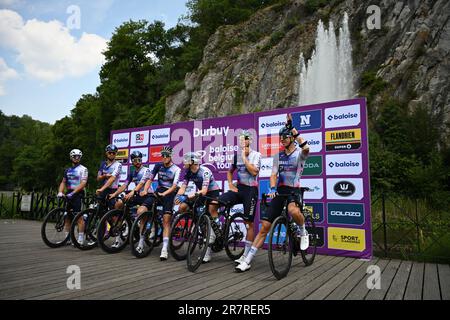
<point x="75" y="157"/>
<point x="112" y="152"/>
<point x="165" y="155"/>
<point x="137" y="160"/>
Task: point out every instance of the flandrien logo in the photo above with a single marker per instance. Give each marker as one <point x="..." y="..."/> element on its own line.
<point x="211" y="131"/>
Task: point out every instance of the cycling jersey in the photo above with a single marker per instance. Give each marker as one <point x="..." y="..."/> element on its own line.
<point x="73" y="176"/>
<point x="113" y="169"/>
<point x="289" y="167"/>
<point x="167" y="176"/>
<point x="202" y="178"/>
<point x="244" y="176"/>
<point x="138" y="176"/>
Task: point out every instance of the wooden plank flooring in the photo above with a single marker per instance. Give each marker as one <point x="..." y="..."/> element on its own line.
<point x="31" y="270"/>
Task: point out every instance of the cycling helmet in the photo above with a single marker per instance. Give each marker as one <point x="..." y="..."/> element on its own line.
<point x="247" y="135"/>
<point x="136" y="154"/>
<point x="75" y="153"/>
<point x="191" y="158"/>
<point x="167" y="150"/>
<point x="285" y="132"/>
<point x="111" y="148"/>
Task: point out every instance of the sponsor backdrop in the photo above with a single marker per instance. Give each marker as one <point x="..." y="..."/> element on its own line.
<point x="337" y="169"/>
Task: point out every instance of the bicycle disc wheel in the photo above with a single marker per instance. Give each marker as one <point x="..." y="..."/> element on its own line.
<point x="113" y="231"/>
<point x="280" y="248"/>
<point x="179" y="236"/>
<point x="198" y="243"/>
<point x="85" y="220"/>
<point x="142" y="229"/>
<point x="52" y="229"/>
<point x="235" y="231"/>
<point x="309" y="254"/>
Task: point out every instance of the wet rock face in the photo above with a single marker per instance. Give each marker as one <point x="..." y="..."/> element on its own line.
<point x="253" y="66"/>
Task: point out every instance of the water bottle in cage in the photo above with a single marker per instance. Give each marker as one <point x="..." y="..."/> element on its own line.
<point x="85" y="217"/>
<point x="215" y="224"/>
<point x="148" y="226"/>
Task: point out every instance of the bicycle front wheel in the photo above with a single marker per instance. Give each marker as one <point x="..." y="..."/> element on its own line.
<point x="280" y="248"/>
<point x="113" y="230"/>
<point x="198" y="243"/>
<point x="309" y="254"/>
<point x="53" y="231"/>
<point x="143" y="235"/>
<point x="85" y="221"/>
<point x="180" y="233"/>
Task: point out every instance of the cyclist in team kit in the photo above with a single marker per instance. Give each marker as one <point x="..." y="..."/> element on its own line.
<point x="168" y="175"/>
<point x="247" y="162"/>
<point x="108" y="175"/>
<point x="139" y="177"/>
<point x="287" y="167"/>
<point x="206" y="185"/>
<point x="75" y="180"/>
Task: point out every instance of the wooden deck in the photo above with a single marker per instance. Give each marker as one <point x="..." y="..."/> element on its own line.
<point x="31" y="270"/>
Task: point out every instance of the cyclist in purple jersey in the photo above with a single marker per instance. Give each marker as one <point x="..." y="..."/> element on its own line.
<point x="247" y="163"/>
<point x="287" y="169"/>
<point x="75" y="180"/>
<point x="109" y="175"/>
<point x="168" y="175"/>
<point x="139" y="177"/>
<point x="206" y="185"/>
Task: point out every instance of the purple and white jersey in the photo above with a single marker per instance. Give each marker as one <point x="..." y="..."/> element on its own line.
<point x="289" y="167"/>
<point x="138" y="176"/>
<point x="113" y="169"/>
<point x="244" y="176"/>
<point x="167" y="176"/>
<point x="202" y="178"/>
<point x="73" y="176"/>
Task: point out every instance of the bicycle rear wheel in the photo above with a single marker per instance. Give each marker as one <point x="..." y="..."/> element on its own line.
<point x="179" y="236"/>
<point x="198" y="243"/>
<point x="280" y="248"/>
<point x="309" y="254"/>
<point x="235" y="234"/>
<point x="142" y="229"/>
<point x="53" y="228"/>
<point x="113" y="231"/>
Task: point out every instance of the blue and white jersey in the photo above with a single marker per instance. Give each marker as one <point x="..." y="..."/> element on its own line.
<point x="202" y="178"/>
<point x="289" y="167"/>
<point x="244" y="176"/>
<point x="73" y="176"/>
<point x="167" y="176"/>
<point x="113" y="169"/>
<point x="138" y="176"/>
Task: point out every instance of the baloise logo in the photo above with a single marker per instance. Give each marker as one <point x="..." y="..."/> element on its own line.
<point x="342" y="116"/>
<point x="344" y="164"/>
<point x="344" y="188"/>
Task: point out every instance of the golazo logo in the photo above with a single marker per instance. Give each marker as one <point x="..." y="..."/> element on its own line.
<point x="211" y="131"/>
<point x="344" y="188"/>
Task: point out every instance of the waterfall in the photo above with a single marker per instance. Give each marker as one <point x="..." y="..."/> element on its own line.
<point x="328" y="75"/>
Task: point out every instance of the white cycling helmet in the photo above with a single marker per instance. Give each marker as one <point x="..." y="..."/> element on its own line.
<point x="191" y="158"/>
<point x="76" y="152"/>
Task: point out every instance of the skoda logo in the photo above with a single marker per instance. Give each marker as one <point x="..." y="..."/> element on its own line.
<point x="344" y="188"/>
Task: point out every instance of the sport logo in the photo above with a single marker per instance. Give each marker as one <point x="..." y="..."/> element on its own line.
<point x="346" y="239"/>
<point x="346" y="116"/>
<point x="271" y="124"/>
<point x="343" y="140"/>
<point x="344" y="188"/>
<point x="344" y="164"/>
<point x="307" y="120"/>
<point x="160" y="136"/>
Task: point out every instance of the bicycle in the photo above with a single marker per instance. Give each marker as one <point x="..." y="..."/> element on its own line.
<point x="228" y="236"/>
<point x="283" y="242"/>
<point x="55" y="222"/>
<point x="115" y="223"/>
<point x="148" y="226"/>
<point x="90" y="218"/>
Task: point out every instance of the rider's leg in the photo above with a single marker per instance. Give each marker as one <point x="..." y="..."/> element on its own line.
<point x="297" y="215"/>
<point x="259" y="240"/>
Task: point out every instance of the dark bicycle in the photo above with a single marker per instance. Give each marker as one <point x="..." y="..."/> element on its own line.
<point x="52" y="229"/>
<point x="88" y="220"/>
<point x="114" y="228"/>
<point x="283" y="242"/>
<point x="229" y="235"/>
<point x="148" y="226"/>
